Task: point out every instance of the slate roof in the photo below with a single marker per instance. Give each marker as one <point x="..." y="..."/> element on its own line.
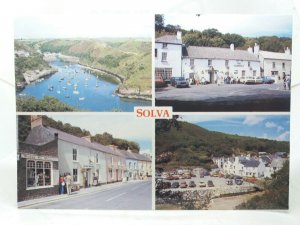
<point x="41" y="135"/>
<point x="266" y="159"/>
<point x="171" y="39"/>
<point x="142" y="157"/>
<point x="200" y="52"/>
<point x="250" y="163"/>
<point x="275" y="55"/>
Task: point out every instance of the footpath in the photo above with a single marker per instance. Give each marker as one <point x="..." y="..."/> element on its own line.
<point x="76" y="194"/>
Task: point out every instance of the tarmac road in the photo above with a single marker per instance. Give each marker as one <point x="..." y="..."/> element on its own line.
<point x="128" y="196"/>
<point x="226" y="97"/>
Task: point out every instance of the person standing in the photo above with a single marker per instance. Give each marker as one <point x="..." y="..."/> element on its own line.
<point x="68" y="181"/>
<point x="61" y="185"/>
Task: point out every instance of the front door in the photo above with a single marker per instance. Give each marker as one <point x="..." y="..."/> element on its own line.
<point x="211" y="77"/>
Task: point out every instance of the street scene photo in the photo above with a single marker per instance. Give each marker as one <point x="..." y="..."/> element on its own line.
<point x="223" y="63"/>
<point x="82" y="63"/>
<point x="222" y="162"/>
<point x="84" y="162"/>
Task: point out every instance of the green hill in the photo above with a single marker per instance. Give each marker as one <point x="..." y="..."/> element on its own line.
<point x="128" y="58"/>
<point x="191" y="145"/>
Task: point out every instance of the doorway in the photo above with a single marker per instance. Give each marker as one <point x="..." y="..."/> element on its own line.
<point x="211" y="77"/>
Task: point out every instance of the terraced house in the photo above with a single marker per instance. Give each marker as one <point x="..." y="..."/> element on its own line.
<point x="48" y="153"/>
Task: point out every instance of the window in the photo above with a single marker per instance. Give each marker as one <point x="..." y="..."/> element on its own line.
<point x="243" y="73"/>
<point x="38" y="173"/>
<point x="254" y="73"/>
<point x="75" y="175"/>
<point x="163" y="56"/>
<point x="273" y="64"/>
<point x="134" y="166"/>
<point x="249" y="64"/>
<point x="112" y="161"/>
<point x="209" y="62"/>
<point x="129" y="165"/>
<point x="226" y="63"/>
<point x="283" y="65"/>
<point x="156" y="52"/>
<point x="192" y="62"/>
<point x="74" y="154"/>
<point x="110" y="173"/>
<point x="164" y="73"/>
<point x="164" y="45"/>
<point x="97" y="158"/>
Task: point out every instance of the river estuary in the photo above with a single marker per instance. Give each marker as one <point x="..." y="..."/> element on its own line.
<point x="81" y="89"/>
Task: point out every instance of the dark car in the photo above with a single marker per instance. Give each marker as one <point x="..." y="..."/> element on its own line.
<point x="192" y="184"/>
<point x="238" y="181"/>
<point x="175" y="185"/>
<point x="268" y="80"/>
<point x="179" y="82"/>
<point x="183" y="184"/>
<point x="229" y="182"/>
<point x="210" y="183"/>
<point x="166" y="185"/>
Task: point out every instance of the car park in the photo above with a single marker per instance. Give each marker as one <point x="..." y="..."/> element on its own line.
<point x="179" y="82"/>
<point x="175" y="184"/>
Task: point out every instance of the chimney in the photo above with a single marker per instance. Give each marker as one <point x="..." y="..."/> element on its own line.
<point x="178" y="35"/>
<point x="87" y="138"/>
<point x="36" y="121"/>
<point x="128" y="149"/>
<point x="256" y="49"/>
<point x="232" y="47"/>
<point x="287" y="51"/>
<point x="250" y="50"/>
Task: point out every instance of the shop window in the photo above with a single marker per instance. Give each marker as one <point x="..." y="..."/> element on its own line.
<point x="38" y="173"/>
<point x="163" y="73"/>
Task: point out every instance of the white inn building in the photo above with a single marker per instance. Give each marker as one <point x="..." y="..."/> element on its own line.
<point x="174" y="59"/>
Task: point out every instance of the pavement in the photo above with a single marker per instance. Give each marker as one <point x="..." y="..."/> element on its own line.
<point x="136" y="194"/>
<point x="226" y="97"/>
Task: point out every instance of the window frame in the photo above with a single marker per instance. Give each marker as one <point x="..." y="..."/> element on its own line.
<point x="164" y="56"/>
<point x="76" y="154"/>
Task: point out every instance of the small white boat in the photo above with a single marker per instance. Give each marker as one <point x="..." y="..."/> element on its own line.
<point x="75" y="92"/>
<point x="58" y="92"/>
<point x="81" y="98"/>
<point x="65" y="88"/>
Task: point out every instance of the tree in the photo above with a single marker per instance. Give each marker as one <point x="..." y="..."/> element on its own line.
<point x="159" y="22"/>
<point x="235" y="39"/>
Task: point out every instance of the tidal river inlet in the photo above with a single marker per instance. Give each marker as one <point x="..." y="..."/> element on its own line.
<point x="81" y="89"/>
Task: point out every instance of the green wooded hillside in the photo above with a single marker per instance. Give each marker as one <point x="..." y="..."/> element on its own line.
<point x="191" y="145"/>
<point x="130" y="59"/>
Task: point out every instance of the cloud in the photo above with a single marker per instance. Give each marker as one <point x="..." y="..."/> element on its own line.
<point x="270" y="124"/>
<point x="285" y="136"/>
<point x="280" y="128"/>
<point x="205" y="118"/>
<point x="253" y="120"/>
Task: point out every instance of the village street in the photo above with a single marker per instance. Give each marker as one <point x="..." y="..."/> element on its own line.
<point x="135" y="195"/>
<point x="226" y="97"/>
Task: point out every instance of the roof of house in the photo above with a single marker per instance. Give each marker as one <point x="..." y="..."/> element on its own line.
<point x="142" y="157"/>
<point x="128" y="155"/>
<point x="266" y="158"/>
<point x="250" y="163"/>
<point x="275" y="55"/>
<point x="171" y="39"/>
<point x="200" y="52"/>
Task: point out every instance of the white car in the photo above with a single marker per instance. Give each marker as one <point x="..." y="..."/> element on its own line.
<point x="251" y="80"/>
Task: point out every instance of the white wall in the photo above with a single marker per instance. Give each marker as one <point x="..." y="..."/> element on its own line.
<point x="267" y="65"/>
<point x="173" y="58"/>
<point x="235" y="68"/>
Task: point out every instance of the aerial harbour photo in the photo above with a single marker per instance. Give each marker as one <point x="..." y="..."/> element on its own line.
<point x="62" y="66"/>
<point x="223" y="63"/>
<point x="222" y="162"/>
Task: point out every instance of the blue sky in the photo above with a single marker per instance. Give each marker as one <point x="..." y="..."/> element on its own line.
<point x="245" y="25"/>
<point x="120" y="126"/>
<point x="275" y="127"/>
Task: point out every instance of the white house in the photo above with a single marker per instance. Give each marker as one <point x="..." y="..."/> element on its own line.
<point x="168" y="55"/>
<point x="275" y="64"/>
<point x="210" y="63"/>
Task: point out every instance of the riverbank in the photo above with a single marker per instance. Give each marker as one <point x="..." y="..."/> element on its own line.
<point x="131" y="93"/>
<point x="33" y="75"/>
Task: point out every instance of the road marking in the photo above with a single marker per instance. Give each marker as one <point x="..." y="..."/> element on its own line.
<point x="117" y="196"/>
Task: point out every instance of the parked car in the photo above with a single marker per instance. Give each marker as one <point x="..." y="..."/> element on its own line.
<point x="175" y="185"/>
<point x="202" y="184"/>
<point x="179" y="82"/>
<point x="229" y="182"/>
<point x="170" y="178"/>
<point x="239" y="181"/>
<point x="210" y="183"/>
<point x="251" y="80"/>
<point x="192" y="183"/>
<point x="268" y="80"/>
<point x="183" y="184"/>
<point x="159" y="82"/>
<point x="166" y="185"/>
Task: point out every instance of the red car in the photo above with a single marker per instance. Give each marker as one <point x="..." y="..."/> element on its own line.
<point x="183" y="184"/>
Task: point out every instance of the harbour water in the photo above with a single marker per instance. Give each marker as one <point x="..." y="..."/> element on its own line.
<point x="81" y="89"/>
